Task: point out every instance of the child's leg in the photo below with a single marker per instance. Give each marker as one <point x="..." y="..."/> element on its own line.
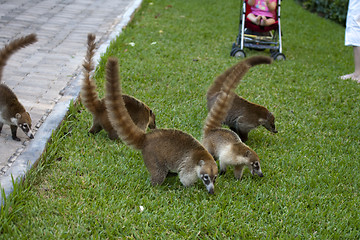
<point x="254" y="19"/>
<point x="266" y="21"/>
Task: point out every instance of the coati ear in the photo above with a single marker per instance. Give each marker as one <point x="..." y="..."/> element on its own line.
<point x="247" y="153"/>
<point x="201" y="163"/>
<point x="18" y="116"/>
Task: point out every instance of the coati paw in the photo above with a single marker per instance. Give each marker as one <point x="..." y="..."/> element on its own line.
<point x="238" y="176"/>
<point x="222" y="171"/>
<point x="16" y="138"/>
<point x="113" y="136"/>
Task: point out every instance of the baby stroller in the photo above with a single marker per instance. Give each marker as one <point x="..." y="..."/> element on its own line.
<point x="258" y="37"/>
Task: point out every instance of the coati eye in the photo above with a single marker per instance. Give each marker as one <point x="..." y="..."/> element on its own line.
<point x="24" y="127"/>
<point x="206" y="179"/>
<point x="255" y="165"/>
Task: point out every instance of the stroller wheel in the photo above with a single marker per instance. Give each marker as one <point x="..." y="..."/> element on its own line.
<point x="239" y="53"/>
<point x="278" y="56"/>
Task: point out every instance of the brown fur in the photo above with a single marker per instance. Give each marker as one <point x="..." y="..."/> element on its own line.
<point x="140" y="113"/>
<point x="243" y="116"/>
<point x="12" y="112"/>
<point x="224" y="144"/>
<point x="164" y="150"/>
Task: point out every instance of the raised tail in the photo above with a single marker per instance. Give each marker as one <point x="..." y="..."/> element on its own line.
<point x="219" y="80"/>
<point x="231" y="78"/>
<point x="88" y="93"/>
<point x="118" y="114"/>
<point x="12" y="47"/>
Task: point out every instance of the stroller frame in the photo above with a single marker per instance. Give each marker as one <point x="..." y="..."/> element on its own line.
<point x="259" y="38"/>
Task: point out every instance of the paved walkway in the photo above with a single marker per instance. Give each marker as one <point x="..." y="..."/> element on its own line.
<point x="46" y="76"/>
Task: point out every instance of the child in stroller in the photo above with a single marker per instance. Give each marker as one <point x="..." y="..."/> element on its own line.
<point x="262" y="12"/>
<point x="259" y="30"/>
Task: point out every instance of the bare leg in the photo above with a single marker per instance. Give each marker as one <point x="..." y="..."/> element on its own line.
<point x="266" y="21"/>
<point x="356" y="74"/>
<point x="254" y="19"/>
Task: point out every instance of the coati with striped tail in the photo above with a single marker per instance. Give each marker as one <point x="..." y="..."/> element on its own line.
<point x="164" y="150"/>
<point x="243" y="115"/>
<point x="224" y="144"/>
<point x="12" y="112"/>
<point x="139" y="112"/>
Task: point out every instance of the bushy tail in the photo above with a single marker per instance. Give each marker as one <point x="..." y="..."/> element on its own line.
<point x="219" y="81"/>
<point x="88" y="93"/>
<point x="118" y="114"/>
<point x="12" y="47"/>
<point x="230" y="79"/>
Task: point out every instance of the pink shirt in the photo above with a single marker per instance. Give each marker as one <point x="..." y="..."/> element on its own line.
<point x="260" y="8"/>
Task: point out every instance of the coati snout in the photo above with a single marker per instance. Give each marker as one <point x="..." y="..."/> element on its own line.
<point x="23" y="121"/>
<point x="208" y="175"/>
<point x="269" y="122"/>
<point x="255" y="168"/>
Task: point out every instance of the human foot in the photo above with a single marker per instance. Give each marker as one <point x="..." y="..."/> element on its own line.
<point x="356" y="77"/>
<point x="258" y="20"/>
<point x="353" y="76"/>
<point x="347" y="76"/>
<point x="262" y="21"/>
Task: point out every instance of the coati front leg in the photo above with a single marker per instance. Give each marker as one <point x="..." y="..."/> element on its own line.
<point x="238" y="171"/>
<point x="96" y="127"/>
<point x="243" y="136"/>
<point x="113" y="135"/>
<point x="223" y="167"/>
<point x="13" y="132"/>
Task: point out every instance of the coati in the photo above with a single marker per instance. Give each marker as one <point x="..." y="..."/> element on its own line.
<point x="12" y="112"/>
<point x="243" y="116"/>
<point x="164" y="150"/>
<point x="139" y="112"/>
<point x="224" y="144"/>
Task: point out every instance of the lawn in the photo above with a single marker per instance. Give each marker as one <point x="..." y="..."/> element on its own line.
<point x="90" y="187"/>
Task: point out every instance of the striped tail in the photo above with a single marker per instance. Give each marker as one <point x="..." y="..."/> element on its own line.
<point x="12" y="47"/>
<point x="88" y="93"/>
<point x="118" y="114"/>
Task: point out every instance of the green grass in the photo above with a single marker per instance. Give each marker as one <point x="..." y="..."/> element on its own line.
<point x="92" y="187"/>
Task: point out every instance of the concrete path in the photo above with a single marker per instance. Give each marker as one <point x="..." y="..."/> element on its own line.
<point x="46" y="76"/>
